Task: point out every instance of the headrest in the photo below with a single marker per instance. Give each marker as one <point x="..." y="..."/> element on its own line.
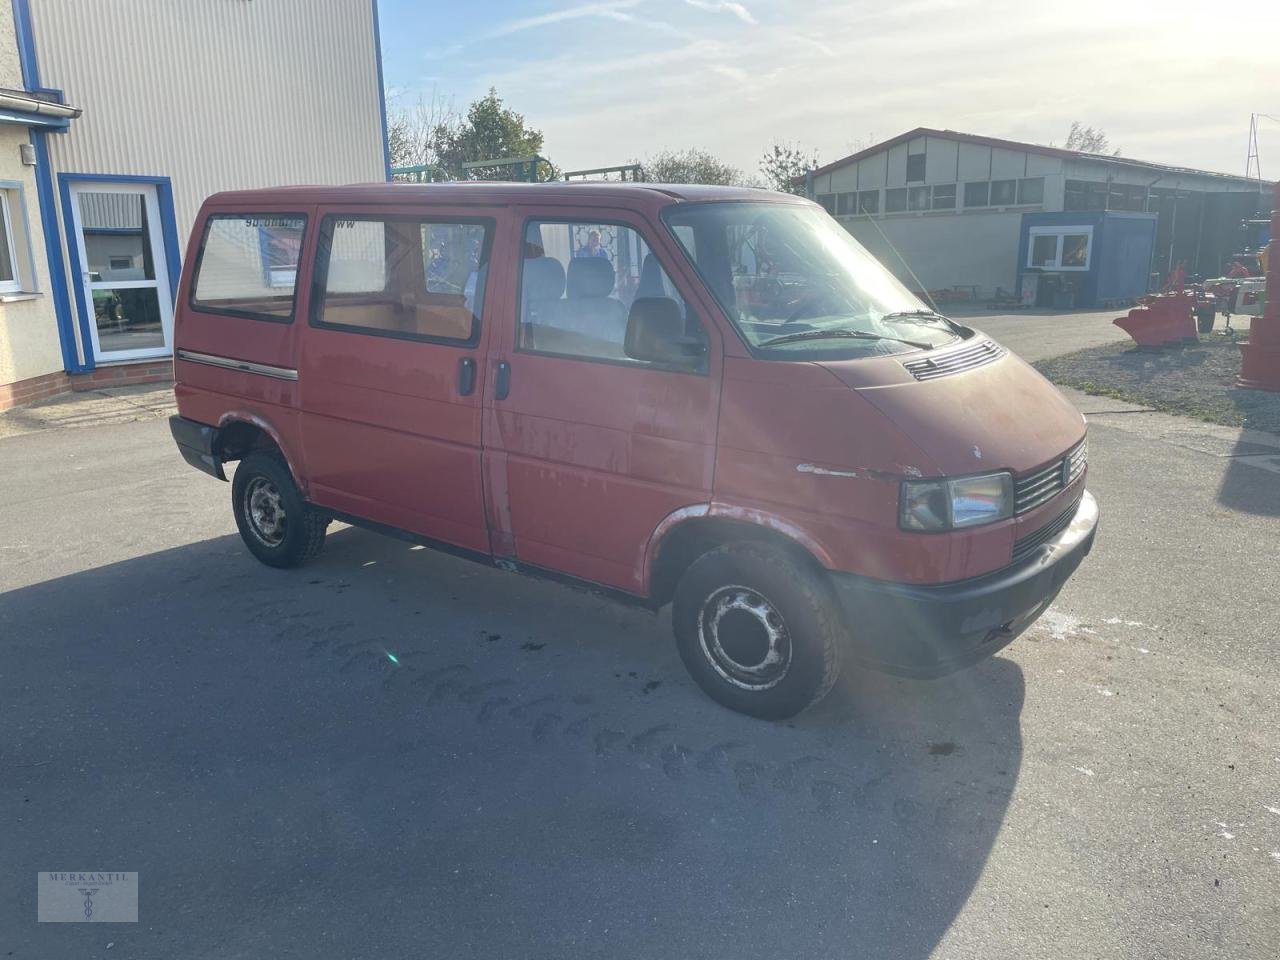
<point x="650" y="283"/>
<point x="654" y="325"/>
<point x="543" y="279"/>
<point x="590" y="277"/>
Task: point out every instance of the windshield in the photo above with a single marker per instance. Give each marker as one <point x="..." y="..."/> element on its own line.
<point x="795" y="283"/>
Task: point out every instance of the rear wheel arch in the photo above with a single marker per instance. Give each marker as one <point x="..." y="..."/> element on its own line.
<point x="239" y="436"/>
<point x="677" y="548"/>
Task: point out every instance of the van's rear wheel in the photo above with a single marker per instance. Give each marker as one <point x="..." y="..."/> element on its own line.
<point x="757" y="631"/>
<point x="279" y="527"/>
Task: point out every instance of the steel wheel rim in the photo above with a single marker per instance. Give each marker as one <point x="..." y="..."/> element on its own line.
<point x="744" y="638"/>
<point x="265" y="512"/>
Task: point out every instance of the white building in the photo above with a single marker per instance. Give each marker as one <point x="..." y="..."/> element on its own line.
<point x="954" y="205"/>
<point x="117" y="118"/>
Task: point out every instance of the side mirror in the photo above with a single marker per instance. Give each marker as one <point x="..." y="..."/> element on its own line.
<point x="656" y="334"/>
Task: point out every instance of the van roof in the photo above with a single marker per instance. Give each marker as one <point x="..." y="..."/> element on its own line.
<point x="500" y="192"/>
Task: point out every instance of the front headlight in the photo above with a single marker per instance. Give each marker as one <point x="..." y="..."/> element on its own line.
<point x="933" y="505"/>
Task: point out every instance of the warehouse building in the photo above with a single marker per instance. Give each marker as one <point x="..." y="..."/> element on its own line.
<point x="981" y="218"/>
<point x="117" y="120"/>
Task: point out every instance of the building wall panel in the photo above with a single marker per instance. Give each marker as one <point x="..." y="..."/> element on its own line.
<point x="940" y="163"/>
<point x="1007" y="163"/>
<point x="215" y="94"/>
<point x="946" y="250"/>
<point x="975" y="162"/>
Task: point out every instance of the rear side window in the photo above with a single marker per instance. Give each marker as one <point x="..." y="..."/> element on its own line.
<point x="248" y="265"/>
<point x="414" y="278"/>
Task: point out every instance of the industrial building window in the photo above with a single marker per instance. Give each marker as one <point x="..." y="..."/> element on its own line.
<point x="846" y="204"/>
<point x="828" y="202"/>
<point x="869" y="201"/>
<point x="405" y="277"/>
<point x="915" y="167"/>
<point x="234" y="274"/>
<point x="1060" y="248"/>
<point x="918" y="198"/>
<point x="895" y="201"/>
<point x="1084" y="195"/>
<point x="944" y="197"/>
<point x="9" y="282"/>
<point x="1031" y="190"/>
<point x="977" y="194"/>
<point x="1004" y="193"/>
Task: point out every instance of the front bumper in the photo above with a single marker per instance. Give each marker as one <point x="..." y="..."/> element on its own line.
<point x="195" y="443"/>
<point x="932" y="630"/>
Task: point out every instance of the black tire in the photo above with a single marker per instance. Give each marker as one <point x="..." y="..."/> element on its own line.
<point x="1204" y="320"/>
<point x="786" y="629"/>
<point x="277" y="525"/>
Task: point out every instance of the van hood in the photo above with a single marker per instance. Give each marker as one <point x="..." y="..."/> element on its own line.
<point x="1000" y="416"/>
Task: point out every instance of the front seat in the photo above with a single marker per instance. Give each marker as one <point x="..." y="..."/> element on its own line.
<point x="588" y="312"/>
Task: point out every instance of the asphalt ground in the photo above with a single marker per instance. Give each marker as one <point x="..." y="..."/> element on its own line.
<point x="394" y="752"/>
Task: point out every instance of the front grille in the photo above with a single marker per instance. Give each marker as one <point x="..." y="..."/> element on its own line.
<point x="1043" y="485"/>
<point x="957" y="361"/>
<point x="1027" y="545"/>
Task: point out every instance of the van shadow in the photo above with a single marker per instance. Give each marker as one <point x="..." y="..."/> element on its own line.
<point x="1251" y="483"/>
<point x="395" y="752"/>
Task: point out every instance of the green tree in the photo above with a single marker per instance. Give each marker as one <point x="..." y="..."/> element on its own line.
<point x="784" y="165"/>
<point x="489" y="131"/>
<point x="689" y="166"/>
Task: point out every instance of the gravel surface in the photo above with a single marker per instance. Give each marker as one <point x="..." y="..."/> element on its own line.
<point x="1195" y="381"/>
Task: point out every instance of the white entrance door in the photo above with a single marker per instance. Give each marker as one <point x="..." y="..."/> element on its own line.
<point x="125" y="276"/>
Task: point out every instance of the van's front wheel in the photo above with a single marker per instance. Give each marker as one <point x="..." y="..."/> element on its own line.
<point x="757" y="631"/>
<point x="277" y="525"/>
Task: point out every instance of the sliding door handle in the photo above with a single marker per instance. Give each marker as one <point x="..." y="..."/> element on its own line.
<point x="466" y="376"/>
<point x="503" y="385"/>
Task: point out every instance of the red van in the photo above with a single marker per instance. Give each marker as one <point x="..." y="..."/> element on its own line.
<point x="710" y="397"/>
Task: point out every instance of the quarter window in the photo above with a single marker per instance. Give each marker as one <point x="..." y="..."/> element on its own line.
<point x="235" y="274"/>
<point x="408" y="277"/>
<point x="583" y="284"/>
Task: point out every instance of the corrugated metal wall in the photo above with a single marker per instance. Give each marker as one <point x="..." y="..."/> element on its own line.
<point x="216" y="94"/>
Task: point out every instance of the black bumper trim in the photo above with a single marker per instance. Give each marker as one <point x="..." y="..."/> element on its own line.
<point x="932" y="630"/>
<point x="195" y="443"/>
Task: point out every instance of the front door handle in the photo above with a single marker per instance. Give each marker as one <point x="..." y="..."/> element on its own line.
<point x="466" y="376"/>
<point x="503" y="385"/>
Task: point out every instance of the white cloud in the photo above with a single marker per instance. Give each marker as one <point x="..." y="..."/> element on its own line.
<point x="724" y="6"/>
<point x="612" y="10"/>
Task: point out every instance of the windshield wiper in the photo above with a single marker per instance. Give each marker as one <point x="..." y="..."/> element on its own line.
<point x="837" y="334"/>
<point x="920" y="315"/>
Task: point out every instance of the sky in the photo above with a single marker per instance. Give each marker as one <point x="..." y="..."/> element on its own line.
<point x="612" y="81"/>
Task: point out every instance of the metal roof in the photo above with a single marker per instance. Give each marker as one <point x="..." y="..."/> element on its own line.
<point x="1030" y="148"/>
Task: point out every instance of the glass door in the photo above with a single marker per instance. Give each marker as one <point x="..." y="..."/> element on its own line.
<point x="125" y="278"/>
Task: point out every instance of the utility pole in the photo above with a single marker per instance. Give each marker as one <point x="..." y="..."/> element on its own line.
<point x="1253" y="162"/>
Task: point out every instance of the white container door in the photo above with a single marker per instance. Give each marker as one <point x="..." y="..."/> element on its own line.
<point x="126" y="277"/>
